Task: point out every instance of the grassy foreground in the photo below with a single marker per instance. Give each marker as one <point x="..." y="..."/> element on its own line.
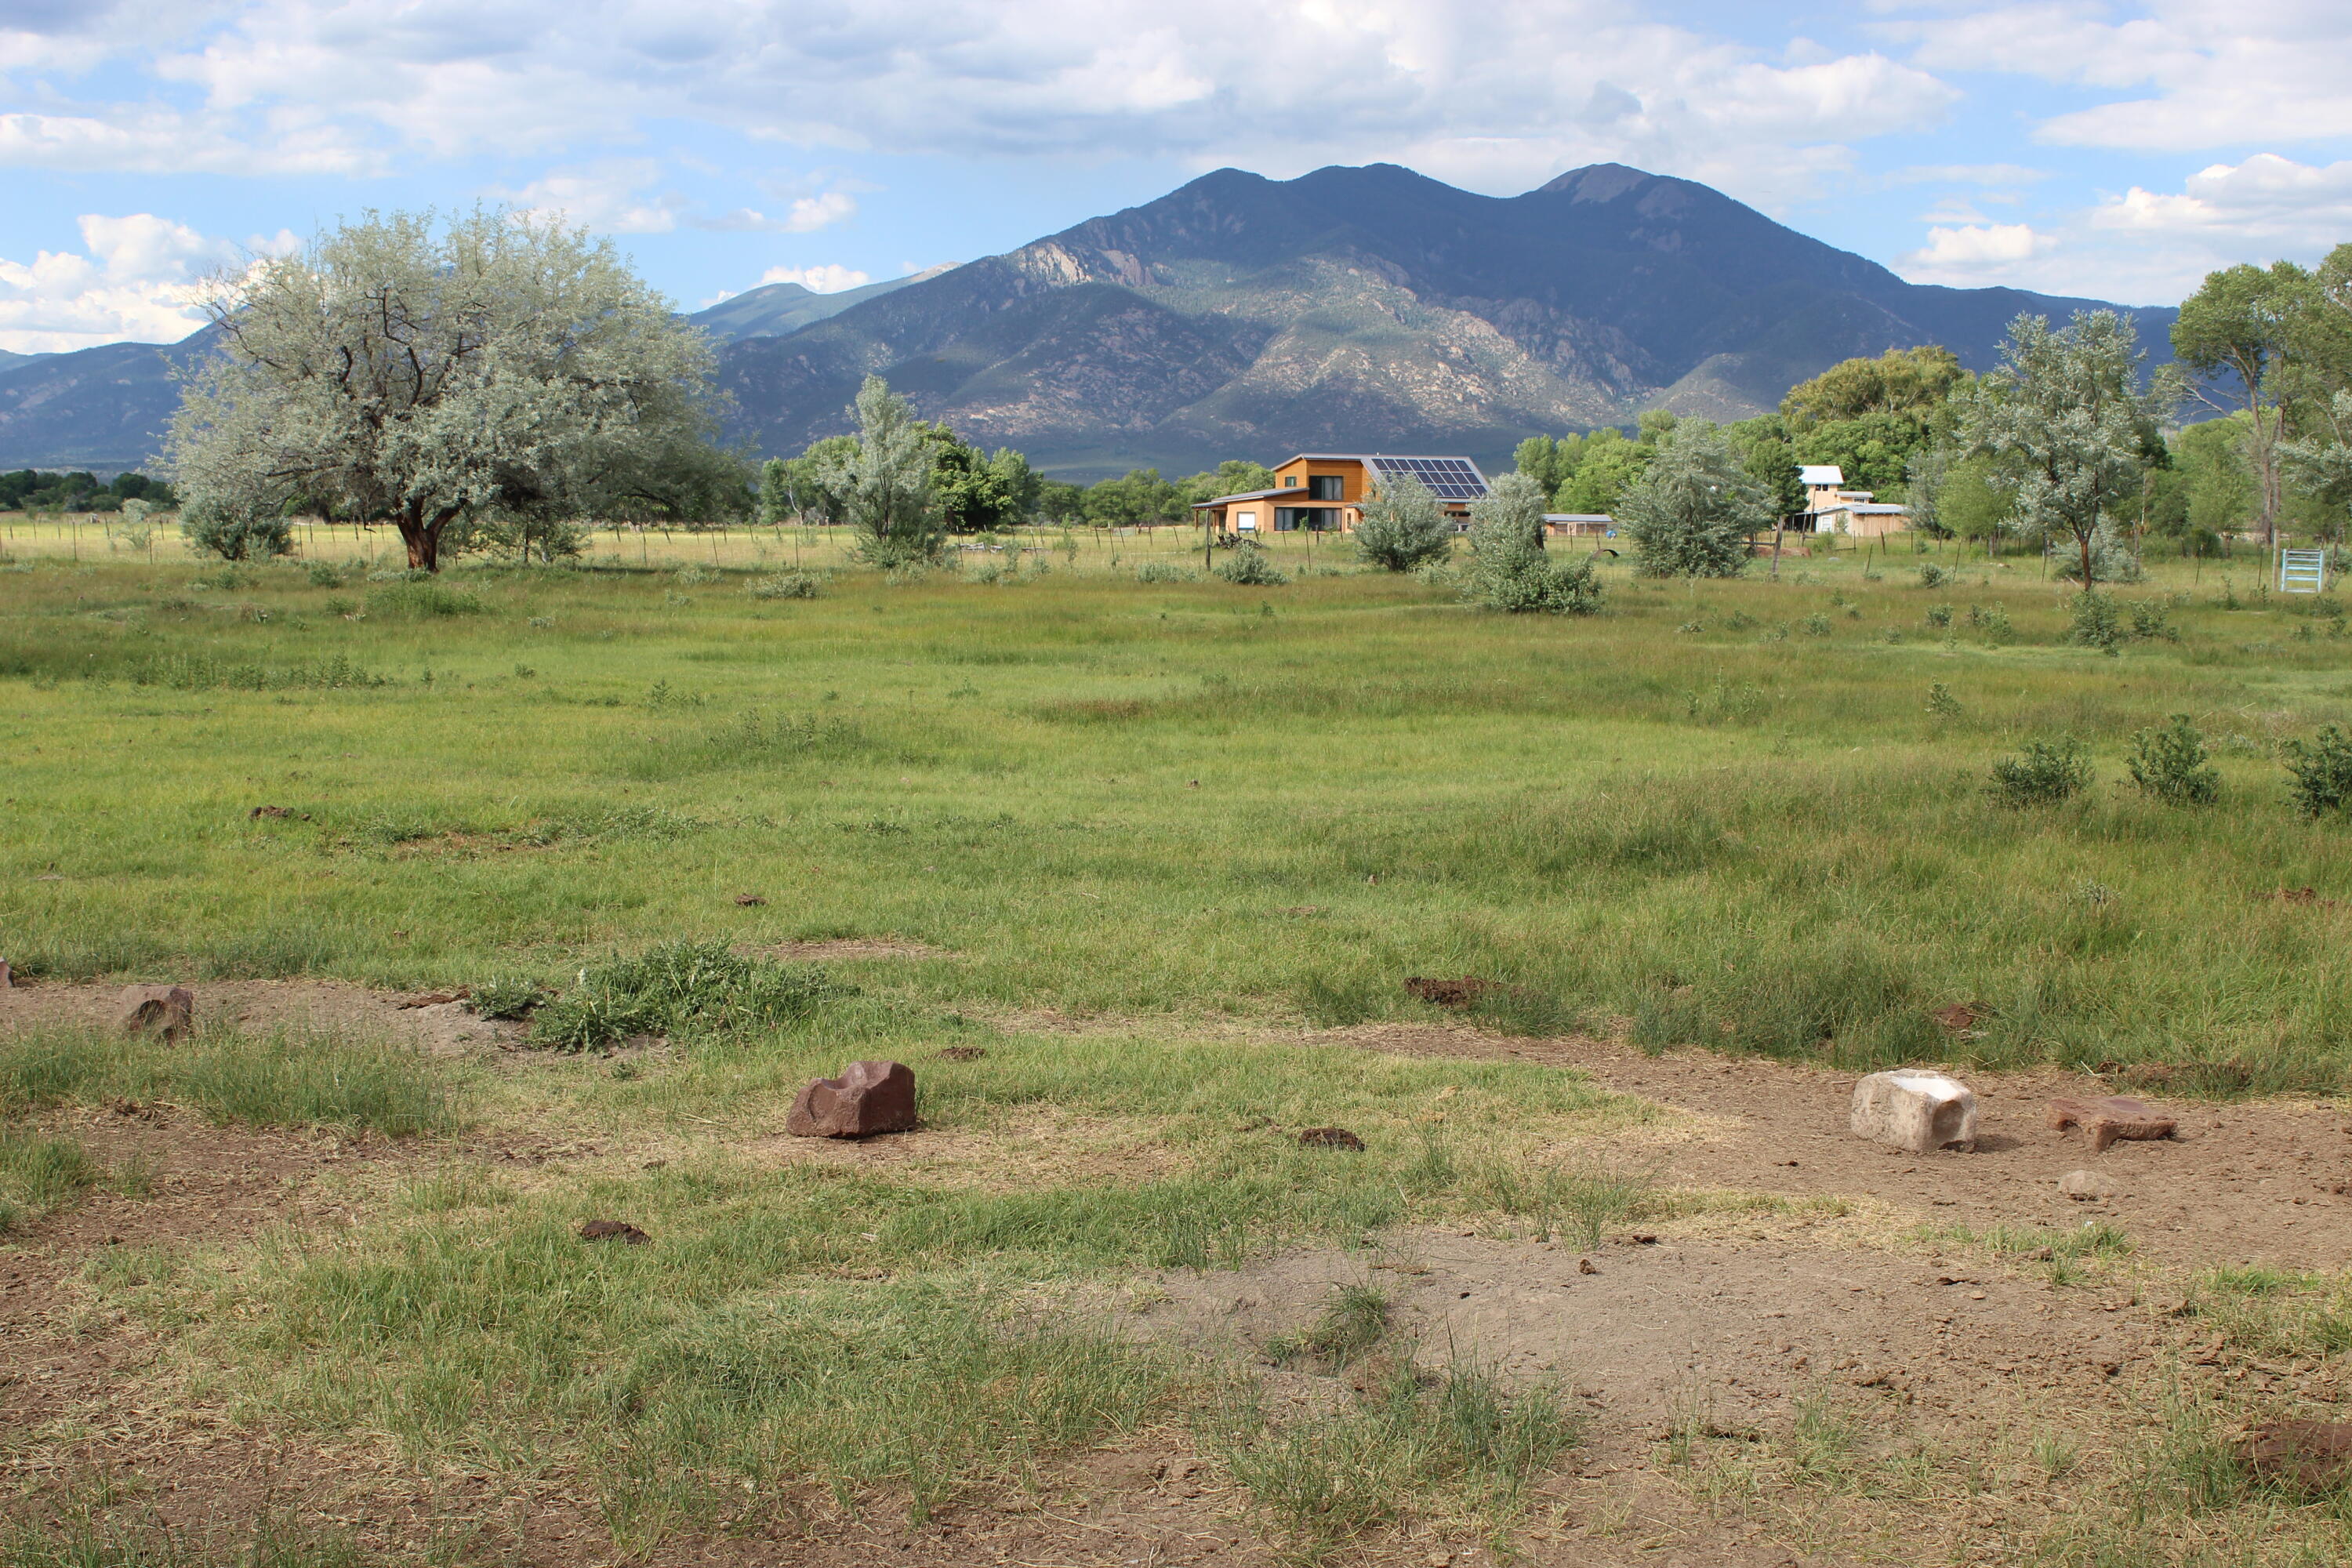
<point x="1729" y="814"/>
<point x="1726" y="813"/>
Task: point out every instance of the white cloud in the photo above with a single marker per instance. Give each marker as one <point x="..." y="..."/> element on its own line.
<point x="2155" y="246"/>
<point x="831" y="277"/>
<point x="137" y="277"/>
<point x="806" y="214"/>
<point x="2195" y="73"/>
<point x="1966" y="256"/>
<point x="1508" y="95"/>
<point x="605" y="197"/>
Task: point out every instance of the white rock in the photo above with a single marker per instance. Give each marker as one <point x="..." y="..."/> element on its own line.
<point x="2085" y="1186"/>
<point x="1921" y="1111"/>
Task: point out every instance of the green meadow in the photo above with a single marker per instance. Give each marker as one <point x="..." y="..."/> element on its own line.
<point x="1193" y="815"/>
<point x="1726" y="813"/>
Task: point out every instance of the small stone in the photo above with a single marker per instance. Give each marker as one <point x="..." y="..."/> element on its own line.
<point x="614" y="1230"/>
<point x="750" y="901"/>
<point x="2110" y="1117"/>
<point x="259" y="812"/>
<point x="962" y="1052"/>
<point x="1920" y="1111"/>
<point x="2086" y="1186"/>
<point x="166" y="1010"/>
<point x="1330" y="1138"/>
<point x="1586" y="1265"/>
<point x="867" y="1098"/>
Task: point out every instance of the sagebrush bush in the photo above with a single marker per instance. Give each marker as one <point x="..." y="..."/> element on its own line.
<point x="1934" y="576"/>
<point x="2322" y="768"/>
<point x="678" y="988"/>
<point x="2043" y="775"/>
<point x="1248" y="566"/>
<point x="2150" y="624"/>
<point x="1165" y="572"/>
<point x="2169" y="764"/>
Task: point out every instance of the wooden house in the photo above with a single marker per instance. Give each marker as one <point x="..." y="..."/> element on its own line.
<point x="1326" y="491"/>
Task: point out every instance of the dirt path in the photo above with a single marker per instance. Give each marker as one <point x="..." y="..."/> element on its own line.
<point x="2266" y="1181"/>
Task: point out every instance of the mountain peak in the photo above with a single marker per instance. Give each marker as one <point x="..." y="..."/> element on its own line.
<point x="1597" y="182"/>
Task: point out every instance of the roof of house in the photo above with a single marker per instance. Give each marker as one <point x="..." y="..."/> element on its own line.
<point x="1819" y="474"/>
<point x="1867" y="509"/>
<point x="1578" y="517"/>
<point x="1452" y="479"/>
<point x="1243" y="495"/>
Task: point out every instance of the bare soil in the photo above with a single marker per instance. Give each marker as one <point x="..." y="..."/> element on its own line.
<point x="1726" y="1323"/>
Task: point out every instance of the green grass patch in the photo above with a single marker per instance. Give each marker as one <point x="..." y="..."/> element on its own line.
<point x="280" y="1079"/>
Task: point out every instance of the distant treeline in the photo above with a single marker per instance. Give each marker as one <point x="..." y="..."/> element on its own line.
<point x="33" y="490"/>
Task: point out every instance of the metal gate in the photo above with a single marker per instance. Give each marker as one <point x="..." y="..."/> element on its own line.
<point x="2302" y="571"/>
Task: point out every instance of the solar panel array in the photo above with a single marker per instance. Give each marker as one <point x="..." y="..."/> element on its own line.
<point x="1452" y="479"/>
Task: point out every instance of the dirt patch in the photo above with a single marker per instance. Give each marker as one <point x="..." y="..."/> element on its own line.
<point x="444" y="1029"/>
<point x="847" y="950"/>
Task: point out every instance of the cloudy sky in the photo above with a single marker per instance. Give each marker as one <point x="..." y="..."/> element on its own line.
<point x="2114" y="148"/>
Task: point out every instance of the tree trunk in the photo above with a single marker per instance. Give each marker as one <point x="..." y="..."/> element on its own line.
<point x="2084" y="540"/>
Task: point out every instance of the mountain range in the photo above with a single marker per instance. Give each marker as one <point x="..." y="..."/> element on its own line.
<point x="1351" y="309"/>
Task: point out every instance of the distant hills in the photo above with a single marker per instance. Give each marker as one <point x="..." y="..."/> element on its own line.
<point x="773" y="310"/>
<point x="1367" y="308"/>
<point x="1356" y="308"/>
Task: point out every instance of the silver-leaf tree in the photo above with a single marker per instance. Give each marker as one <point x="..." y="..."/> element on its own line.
<point x="2069" y="424"/>
<point x="1694" y="507"/>
<point x="1509" y="568"/>
<point x="1402" y="526"/>
<point x="887" y="483"/>
<point x="431" y="374"/>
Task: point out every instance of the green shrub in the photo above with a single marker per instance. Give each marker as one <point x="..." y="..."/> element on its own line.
<point x="784" y="585"/>
<point x="235" y="531"/>
<point x="2092" y="622"/>
<point x="2322" y="768"/>
<point x="506" y="996"/>
<point x="1934" y="576"/>
<point x="324" y="574"/>
<point x="2044" y="773"/>
<point x="1165" y="572"/>
<point x="2148" y="623"/>
<point x="1248" y="566"/>
<point x="1939" y="615"/>
<point x="1941" y="702"/>
<point x="679" y="988"/>
<point x="1991" y="620"/>
<point x="2169" y="764"/>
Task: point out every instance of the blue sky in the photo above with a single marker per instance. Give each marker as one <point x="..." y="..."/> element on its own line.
<point x="2118" y="150"/>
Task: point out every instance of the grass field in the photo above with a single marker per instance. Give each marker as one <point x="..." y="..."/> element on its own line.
<point x="1726" y="814"/>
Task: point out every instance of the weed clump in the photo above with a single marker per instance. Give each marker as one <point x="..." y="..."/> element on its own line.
<point x="1457" y="1442"/>
<point x="424" y="599"/>
<point x="2322" y="768"/>
<point x="2169" y="764"/>
<point x="1942" y="703"/>
<point x="1248" y="566"/>
<point x="2092" y="622"/>
<point x="1165" y="572"/>
<point x="2045" y="773"/>
<point x="506" y="996"/>
<point x="784" y="585"/>
<point x="678" y="988"/>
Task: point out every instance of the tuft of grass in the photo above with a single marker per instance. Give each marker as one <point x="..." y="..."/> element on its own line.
<point x="1356" y="1319"/>
<point x="40" y="1176"/>
<point x="280" y="1079"/>
<point x="95" y="1526"/>
<point x="684" y="988"/>
<point x="1455" y="1446"/>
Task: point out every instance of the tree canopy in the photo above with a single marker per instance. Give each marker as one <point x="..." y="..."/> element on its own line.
<point x="1898" y="382"/>
<point x="422" y="371"/>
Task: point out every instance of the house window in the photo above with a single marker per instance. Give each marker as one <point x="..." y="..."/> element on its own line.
<point x="1315" y="518"/>
<point x="1325" y="487"/>
<point x="1290" y="482"/>
<point x="1245" y="521"/>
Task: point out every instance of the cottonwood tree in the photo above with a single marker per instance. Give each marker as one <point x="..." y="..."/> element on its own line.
<point x="1695" y="508"/>
<point x="420" y="372"/>
<point x="2069" y="425"/>
<point x="2236" y="330"/>
<point x="1403" y="525"/>
<point x="887" y="483"/>
<point x="1509" y="569"/>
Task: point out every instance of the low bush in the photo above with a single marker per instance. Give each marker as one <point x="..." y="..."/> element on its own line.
<point x="2044" y="773"/>
<point x="1165" y="572"/>
<point x="2169" y="764"/>
<point x="1248" y="566"/>
<point x="679" y="988"/>
<point x="2092" y="622"/>
<point x="2322" y="769"/>
<point x="784" y="585"/>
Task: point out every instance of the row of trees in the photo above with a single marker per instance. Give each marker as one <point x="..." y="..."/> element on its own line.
<point x="34" y="489"/>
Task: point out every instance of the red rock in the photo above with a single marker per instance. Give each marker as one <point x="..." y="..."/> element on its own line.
<point x="1462" y="993"/>
<point x="614" y="1230"/>
<point x="2110" y="1117"/>
<point x="2315" y="1455"/>
<point x="167" y="1010"/>
<point x="867" y="1098"/>
<point x="1330" y="1138"/>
